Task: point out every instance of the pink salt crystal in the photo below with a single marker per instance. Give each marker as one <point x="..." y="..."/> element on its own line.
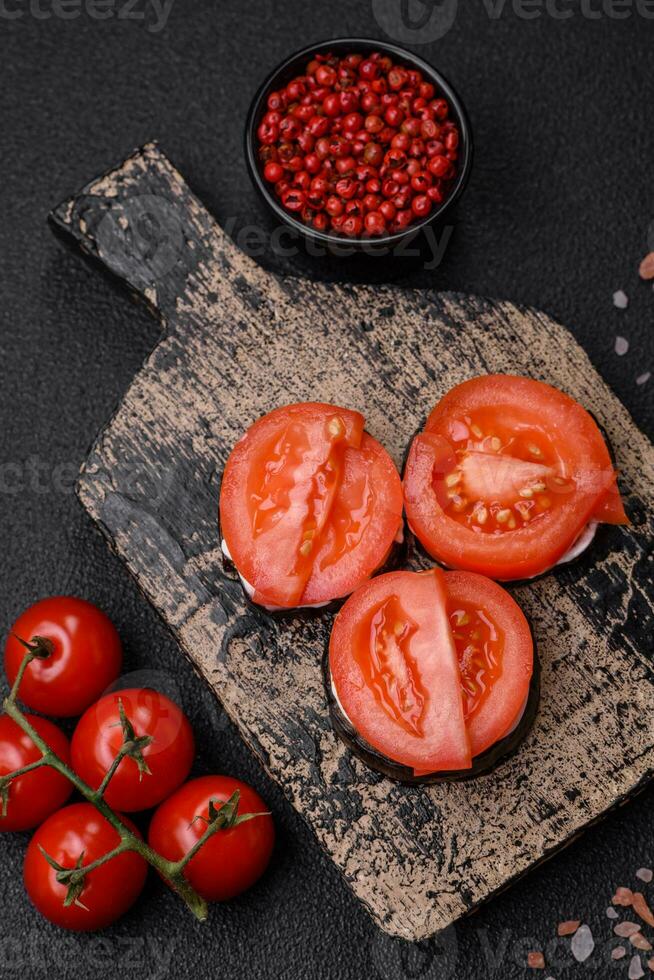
<point x="626" y="929"/>
<point x="636" y="969"/>
<point x="621" y="346"/>
<point x="623" y="896"/>
<point x="536" y="961"/>
<point x="568" y="928"/>
<point x="620" y="299"/>
<point x="582" y="944"/>
<point x="618" y="953"/>
<point x="611" y="913"/>
<point x="638" y="941"/>
<point x="645" y="874"/>
<point x="646" y="268"/>
<point x="642" y="909"/>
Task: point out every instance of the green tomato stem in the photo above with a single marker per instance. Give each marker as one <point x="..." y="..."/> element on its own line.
<point x="170" y="871"/>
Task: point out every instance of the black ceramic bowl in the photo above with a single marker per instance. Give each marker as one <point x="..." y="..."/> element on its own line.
<point x="296" y="65"/>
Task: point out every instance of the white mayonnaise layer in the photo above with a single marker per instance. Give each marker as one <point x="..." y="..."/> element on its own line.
<point x="580" y="545"/>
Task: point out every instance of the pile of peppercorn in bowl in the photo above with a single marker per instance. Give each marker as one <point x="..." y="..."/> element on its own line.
<point x="354" y="140"/>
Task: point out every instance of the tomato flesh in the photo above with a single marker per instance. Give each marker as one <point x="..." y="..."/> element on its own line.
<point x="309" y="506"/>
<point x="431" y="668"/>
<point x="495" y="653"/>
<point x="394" y="668"/>
<point x="505" y="477"/>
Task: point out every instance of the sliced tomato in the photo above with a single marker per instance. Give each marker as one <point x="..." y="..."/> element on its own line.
<point x="309" y="505"/>
<point x="365" y="518"/>
<point x="610" y="509"/>
<point x="431" y="668"/>
<point x="505" y="477"/>
<point x="496" y="656"/>
<point x="394" y="668"/>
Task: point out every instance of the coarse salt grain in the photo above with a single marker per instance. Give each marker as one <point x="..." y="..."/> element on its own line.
<point x="621" y="346"/>
<point x="636" y="969"/>
<point x="623" y="896"/>
<point x="536" y="961"/>
<point x="639" y="942"/>
<point x="644" y="874"/>
<point x="646" y="269"/>
<point x="582" y="944"/>
<point x="620" y="299"/>
<point x="642" y="909"/>
<point x="618" y="953"/>
<point x="626" y="929"/>
<point x="568" y="928"/>
<point x="611" y="912"/>
<point x="642" y="379"/>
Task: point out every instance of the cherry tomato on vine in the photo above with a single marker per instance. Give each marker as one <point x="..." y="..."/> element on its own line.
<point x="232" y="860"/>
<point x="87" y="655"/>
<point x="35" y="795"/>
<point x="169" y="756"/>
<point x="109" y="891"/>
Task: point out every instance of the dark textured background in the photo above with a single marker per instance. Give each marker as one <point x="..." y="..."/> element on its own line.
<point x="556" y="215"/>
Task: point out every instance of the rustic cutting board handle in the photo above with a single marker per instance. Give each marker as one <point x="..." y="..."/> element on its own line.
<point x="142" y="222"/>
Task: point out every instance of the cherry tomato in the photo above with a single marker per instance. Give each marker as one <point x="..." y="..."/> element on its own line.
<point x="506" y="477"/>
<point x="109" y="891"/>
<point x="232" y="860"/>
<point x="98" y="738"/>
<point x="310" y="505"/>
<point x="87" y="655"/>
<point x="35" y="795"/>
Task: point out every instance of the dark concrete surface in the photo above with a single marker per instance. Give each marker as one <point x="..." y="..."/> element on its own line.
<point x="556" y="215"/>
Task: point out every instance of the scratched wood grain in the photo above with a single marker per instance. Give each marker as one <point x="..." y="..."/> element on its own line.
<point x="237" y="342"/>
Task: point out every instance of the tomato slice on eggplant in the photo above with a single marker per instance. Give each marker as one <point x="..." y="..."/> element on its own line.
<point x="495" y="652"/>
<point x="506" y="476"/>
<point x="431" y="669"/>
<point x="394" y="668"/>
<point x="310" y="505"/>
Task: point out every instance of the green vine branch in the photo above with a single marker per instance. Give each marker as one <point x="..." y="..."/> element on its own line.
<point x="221" y="817"/>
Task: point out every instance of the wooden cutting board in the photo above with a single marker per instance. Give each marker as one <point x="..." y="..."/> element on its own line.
<point x="239" y="341"/>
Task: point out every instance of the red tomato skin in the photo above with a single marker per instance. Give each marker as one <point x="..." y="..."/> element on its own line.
<point x="87" y="657"/>
<point x="232" y="860"/>
<point x="98" y="738"/>
<point x="36" y="795"/>
<point x="272" y="563"/>
<point x="346" y="487"/>
<point x="444" y="744"/>
<point x="531" y="550"/>
<point x="327" y="580"/>
<point x="109" y="891"/>
<point x="510" y="692"/>
<point x="610" y="509"/>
